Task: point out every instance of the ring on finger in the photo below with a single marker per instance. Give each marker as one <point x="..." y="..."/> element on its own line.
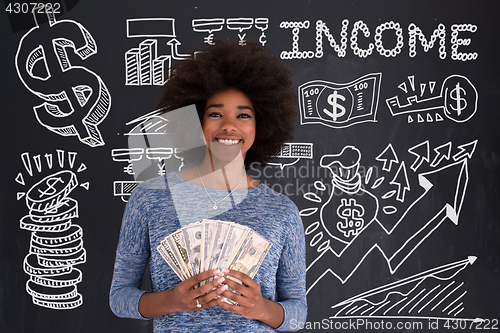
<point x="198" y="305"/>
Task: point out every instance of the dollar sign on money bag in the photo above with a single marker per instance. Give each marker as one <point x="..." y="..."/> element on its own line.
<point x="76" y="99"/>
<point x="351" y="214"/>
<point x="350" y="208"/>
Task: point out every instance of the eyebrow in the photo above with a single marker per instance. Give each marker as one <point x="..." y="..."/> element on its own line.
<point x="240" y="107"/>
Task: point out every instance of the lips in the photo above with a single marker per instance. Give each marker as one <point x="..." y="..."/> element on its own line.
<point x="228" y="142"/>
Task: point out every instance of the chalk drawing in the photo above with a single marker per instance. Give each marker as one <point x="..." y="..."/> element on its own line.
<point x="414" y="31"/>
<point x="342" y="220"/>
<point x="56" y="245"/>
<point x="143" y="65"/>
<point x="291" y="153"/>
<point x="208" y="25"/>
<point x="148" y="64"/>
<point x="76" y="100"/>
<point x="339" y="45"/>
<point x="240" y="24"/>
<point x="456" y="42"/>
<point x="262" y="23"/>
<point x="155" y="144"/>
<point x="340" y="105"/>
<point x="457" y="101"/>
<point x="123" y="188"/>
<point x="432" y="294"/>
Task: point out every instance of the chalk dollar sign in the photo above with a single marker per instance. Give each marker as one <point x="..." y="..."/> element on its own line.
<point x="352" y="214"/>
<point x="456" y="95"/>
<point x="332" y="100"/>
<point x="76" y="99"/>
<point x="50" y="186"/>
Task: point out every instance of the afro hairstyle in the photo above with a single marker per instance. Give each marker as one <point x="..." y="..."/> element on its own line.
<point x="252" y="70"/>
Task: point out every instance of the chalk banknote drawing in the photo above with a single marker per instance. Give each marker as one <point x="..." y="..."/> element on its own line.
<point x="340" y="105"/>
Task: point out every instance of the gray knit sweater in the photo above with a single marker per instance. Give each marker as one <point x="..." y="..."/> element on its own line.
<point x="158" y="207"/>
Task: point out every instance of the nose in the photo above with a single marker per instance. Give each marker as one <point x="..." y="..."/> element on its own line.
<point x="228" y="125"/>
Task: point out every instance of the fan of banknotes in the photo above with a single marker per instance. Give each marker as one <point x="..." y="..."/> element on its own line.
<point x="212" y="244"/>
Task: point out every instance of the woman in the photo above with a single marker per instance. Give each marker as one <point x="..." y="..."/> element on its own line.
<point x="246" y="107"/>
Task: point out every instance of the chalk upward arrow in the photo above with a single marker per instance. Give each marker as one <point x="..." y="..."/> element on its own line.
<point x="174" y="44"/>
<point x="449" y="269"/>
<point x="401" y="181"/>
<point x="466" y="150"/>
<point x="420" y="220"/>
<point x="422" y="152"/>
<point x="449" y="185"/>
<point x="442" y="152"/>
<point x="388" y="156"/>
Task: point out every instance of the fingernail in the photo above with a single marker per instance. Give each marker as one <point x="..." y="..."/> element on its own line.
<point x="225" y="270"/>
<point x="224" y="287"/>
<point x="216" y="272"/>
<point x="223" y="299"/>
<point x="220" y="280"/>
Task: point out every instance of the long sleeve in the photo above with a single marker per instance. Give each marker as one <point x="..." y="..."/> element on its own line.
<point x="291" y="277"/>
<point x="132" y="256"/>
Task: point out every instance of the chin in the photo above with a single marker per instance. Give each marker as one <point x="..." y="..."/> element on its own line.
<point x="224" y="153"/>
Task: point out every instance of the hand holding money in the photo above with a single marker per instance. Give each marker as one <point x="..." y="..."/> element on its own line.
<point x="212" y="245"/>
<point x="251" y="303"/>
<point x="184" y="297"/>
<point x="188" y="298"/>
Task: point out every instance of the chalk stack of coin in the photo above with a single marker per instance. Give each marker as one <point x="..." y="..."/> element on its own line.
<point x="56" y="244"/>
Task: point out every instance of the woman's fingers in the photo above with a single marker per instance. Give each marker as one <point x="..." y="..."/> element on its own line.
<point x="210" y="298"/>
<point x="198" y="278"/>
<point x="239" y="276"/>
<point x="208" y="287"/>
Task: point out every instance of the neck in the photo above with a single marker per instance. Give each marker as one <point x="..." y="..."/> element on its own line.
<point x="223" y="175"/>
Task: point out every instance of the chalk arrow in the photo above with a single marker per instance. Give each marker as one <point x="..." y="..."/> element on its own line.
<point x="174" y="44"/>
<point x="422" y="218"/>
<point x="401" y="181"/>
<point x="453" y="180"/>
<point x="422" y="152"/>
<point x="466" y="150"/>
<point x="444" y="272"/>
<point x="443" y="151"/>
<point x="388" y="156"/>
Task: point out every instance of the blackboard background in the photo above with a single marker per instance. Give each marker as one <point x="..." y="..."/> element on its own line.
<point x="477" y="233"/>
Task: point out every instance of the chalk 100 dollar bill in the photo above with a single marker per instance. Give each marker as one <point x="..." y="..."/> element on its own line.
<point x="339" y="105"/>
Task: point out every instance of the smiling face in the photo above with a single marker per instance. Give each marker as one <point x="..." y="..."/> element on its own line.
<point x="229" y="124"/>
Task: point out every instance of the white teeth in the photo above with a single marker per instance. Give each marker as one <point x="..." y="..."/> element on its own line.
<point x="228" y="142"/>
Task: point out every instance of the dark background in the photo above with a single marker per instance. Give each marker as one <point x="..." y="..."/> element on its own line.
<point x="476" y="234"/>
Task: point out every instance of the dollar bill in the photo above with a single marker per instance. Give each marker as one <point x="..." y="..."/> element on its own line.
<point x="206" y="243"/>
<point x="178" y="247"/>
<point x="219" y="236"/>
<point x="235" y="234"/>
<point x="250" y="254"/>
<point x="212" y="244"/>
<point x="192" y="235"/>
<point x="169" y="257"/>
